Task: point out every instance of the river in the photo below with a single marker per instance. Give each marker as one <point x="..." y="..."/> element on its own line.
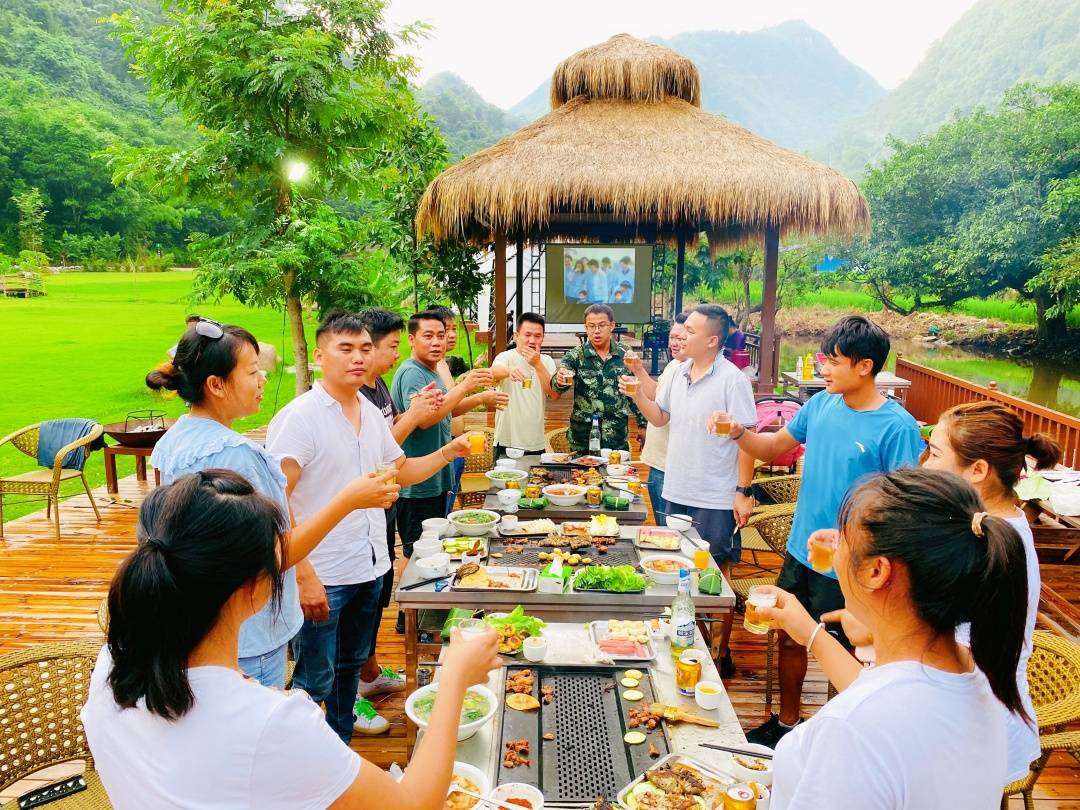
<point x="1041" y="382"/>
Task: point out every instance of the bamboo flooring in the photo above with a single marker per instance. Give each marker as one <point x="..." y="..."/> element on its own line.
<point x="50" y="591"/>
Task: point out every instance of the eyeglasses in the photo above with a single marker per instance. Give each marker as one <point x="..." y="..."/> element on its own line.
<point x="209" y="329"/>
<point x="597" y="327"/>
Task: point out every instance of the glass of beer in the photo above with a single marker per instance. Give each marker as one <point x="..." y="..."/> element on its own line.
<point x="386" y="467"/>
<point x="472" y="628"/>
<point x="758" y="598"/>
<point x="721" y="428"/>
<point x="526" y="384"/>
<point x="566" y="375"/>
<point x="477" y="443"/>
<point x="822" y="548"/>
<point x="630" y="383"/>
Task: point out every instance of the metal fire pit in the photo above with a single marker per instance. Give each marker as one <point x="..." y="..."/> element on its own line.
<point x="587" y="758"/>
<point x="140" y="428"/>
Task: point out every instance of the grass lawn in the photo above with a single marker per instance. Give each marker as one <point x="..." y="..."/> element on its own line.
<point x="84" y="349"/>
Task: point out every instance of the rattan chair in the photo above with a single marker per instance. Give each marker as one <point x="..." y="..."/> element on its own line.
<point x="557" y="441"/>
<point x="773" y="525"/>
<point x="781" y="488"/>
<point x="1054" y="681"/>
<point x="42" y="690"/>
<point x="44" y="482"/>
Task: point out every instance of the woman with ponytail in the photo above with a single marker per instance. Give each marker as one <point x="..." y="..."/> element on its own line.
<point x="215" y="370"/>
<point x="916" y="556"/>
<point x="170" y="719"/>
<point x="984" y="443"/>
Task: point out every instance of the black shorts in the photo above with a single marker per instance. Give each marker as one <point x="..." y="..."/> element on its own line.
<point x="816" y="592"/>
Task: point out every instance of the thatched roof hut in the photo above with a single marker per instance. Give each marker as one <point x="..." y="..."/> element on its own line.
<point x="627" y="153"/>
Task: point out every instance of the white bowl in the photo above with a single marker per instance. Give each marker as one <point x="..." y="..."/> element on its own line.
<point x="474" y="775"/>
<point x="500" y="483"/>
<point x="508" y="502"/>
<point x="473" y="529"/>
<point x="618" y="470"/>
<point x="564" y="500"/>
<point x="535" y="648"/>
<point x="436" y="565"/>
<point x="680" y="523"/>
<point x="435" y="525"/>
<point x="506" y="463"/>
<point x="515" y="452"/>
<point x="664" y="577"/>
<point x="518" y="790"/>
<point x="709" y="700"/>
<point x="744" y="774"/>
<point x="427" y="546"/>
<point x="465" y="730"/>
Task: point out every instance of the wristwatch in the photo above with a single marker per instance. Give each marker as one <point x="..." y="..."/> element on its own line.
<point x="747" y="491"/>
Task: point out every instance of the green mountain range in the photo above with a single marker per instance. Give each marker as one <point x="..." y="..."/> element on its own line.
<point x="995" y="45"/>
<point x="467" y="122"/>
<point x="787" y="83"/>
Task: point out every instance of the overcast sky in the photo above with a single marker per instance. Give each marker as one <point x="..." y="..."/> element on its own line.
<point x="504" y="48"/>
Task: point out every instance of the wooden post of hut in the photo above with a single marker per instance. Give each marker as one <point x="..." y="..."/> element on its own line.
<point x="498" y="324"/>
<point x="768" y="359"/>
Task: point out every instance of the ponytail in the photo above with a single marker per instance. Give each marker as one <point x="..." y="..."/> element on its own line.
<point x="199" y="357"/>
<point x="997" y="618"/>
<point x="1045" y="451"/>
<point x="201" y="539"/>
<point x="962" y="564"/>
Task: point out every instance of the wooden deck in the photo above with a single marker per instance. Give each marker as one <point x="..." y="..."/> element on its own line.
<point x="51" y="591"/>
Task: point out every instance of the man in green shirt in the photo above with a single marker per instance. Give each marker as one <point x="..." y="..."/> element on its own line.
<point x="597" y="366"/>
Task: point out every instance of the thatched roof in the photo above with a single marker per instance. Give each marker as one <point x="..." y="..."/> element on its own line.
<point x="632" y="158"/>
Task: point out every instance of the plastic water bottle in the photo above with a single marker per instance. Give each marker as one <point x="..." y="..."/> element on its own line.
<point x="798" y="368"/>
<point x="683" y="626"/>
<point x="594" y="436"/>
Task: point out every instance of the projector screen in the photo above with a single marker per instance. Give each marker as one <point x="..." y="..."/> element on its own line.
<point x="617" y="275"/>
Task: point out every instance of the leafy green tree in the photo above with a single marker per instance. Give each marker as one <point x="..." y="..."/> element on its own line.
<point x="31" y="205"/>
<point x="979" y="207"/>
<point x="296" y="106"/>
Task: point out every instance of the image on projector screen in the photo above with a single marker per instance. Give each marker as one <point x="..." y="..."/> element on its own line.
<point x="598" y="275"/>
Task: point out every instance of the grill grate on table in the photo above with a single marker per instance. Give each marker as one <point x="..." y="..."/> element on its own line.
<point x="622" y="553"/>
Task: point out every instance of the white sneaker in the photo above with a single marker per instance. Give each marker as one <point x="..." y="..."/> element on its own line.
<point x="367" y="720"/>
<point x="387" y="681"/>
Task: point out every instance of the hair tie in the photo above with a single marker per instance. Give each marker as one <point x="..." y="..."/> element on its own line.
<point x="156" y="544"/>
<point x="976" y="523"/>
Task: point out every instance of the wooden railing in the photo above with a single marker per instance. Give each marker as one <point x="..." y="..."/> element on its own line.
<point x="933" y="392"/>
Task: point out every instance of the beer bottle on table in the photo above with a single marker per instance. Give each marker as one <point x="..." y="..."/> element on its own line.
<point x="594" y="436"/>
<point x="683" y="627"/>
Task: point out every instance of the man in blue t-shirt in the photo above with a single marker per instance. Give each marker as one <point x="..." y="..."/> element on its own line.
<point x="850" y="431"/>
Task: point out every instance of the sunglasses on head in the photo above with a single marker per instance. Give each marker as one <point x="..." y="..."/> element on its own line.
<point x="209" y="329"/>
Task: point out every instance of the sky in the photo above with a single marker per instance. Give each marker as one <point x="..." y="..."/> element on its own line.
<point x="505" y="48"/>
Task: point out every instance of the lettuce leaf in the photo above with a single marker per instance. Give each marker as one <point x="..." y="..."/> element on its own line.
<point x="617" y="578"/>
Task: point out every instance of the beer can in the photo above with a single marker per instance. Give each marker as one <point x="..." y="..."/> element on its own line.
<point x="688" y="672"/>
<point x="532" y="491"/>
<point x="615" y="457"/>
<point x="634" y="485"/>
<point x="513" y="483"/>
<point x="593" y="495"/>
<point x="740" y="797"/>
<point x="424" y="675"/>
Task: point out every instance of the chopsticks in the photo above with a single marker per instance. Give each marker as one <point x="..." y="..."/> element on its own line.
<point x="424" y="582"/>
<point x="740" y="751"/>
<point x="492" y="802"/>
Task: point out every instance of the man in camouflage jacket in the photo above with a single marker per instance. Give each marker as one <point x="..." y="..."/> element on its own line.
<point x="597" y="366"/>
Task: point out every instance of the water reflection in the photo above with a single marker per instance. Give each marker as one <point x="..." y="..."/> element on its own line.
<point x="1040" y="382"/>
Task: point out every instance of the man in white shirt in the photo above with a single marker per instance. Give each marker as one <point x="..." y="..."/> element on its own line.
<point x="702" y="470"/>
<point x="521" y="425"/>
<point x="330" y="434"/>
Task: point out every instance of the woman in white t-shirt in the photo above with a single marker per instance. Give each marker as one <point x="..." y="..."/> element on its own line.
<point x="984" y="443"/>
<point x="170" y="719"/>
<point x="916" y="556"/>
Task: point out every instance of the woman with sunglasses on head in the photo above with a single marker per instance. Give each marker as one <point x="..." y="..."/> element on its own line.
<point x="916" y="556"/>
<point x="171" y="721"/>
<point x="216" y="371"/>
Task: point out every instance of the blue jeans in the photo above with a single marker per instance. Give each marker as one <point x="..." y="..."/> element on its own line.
<point x="656" y="486"/>
<point x="459" y="468"/>
<point x="329" y="654"/>
<point x="268" y="668"/>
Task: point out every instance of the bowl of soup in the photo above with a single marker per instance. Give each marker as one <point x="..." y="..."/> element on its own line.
<point x="564" y="494"/>
<point x="500" y="475"/>
<point x="471" y="779"/>
<point x="477" y="709"/>
<point x="473" y="522"/>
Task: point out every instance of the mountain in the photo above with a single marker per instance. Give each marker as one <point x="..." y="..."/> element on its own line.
<point x="466" y="121"/>
<point x="786" y="83"/>
<point x="996" y="44"/>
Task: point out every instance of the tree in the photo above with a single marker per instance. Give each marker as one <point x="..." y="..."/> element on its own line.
<point x="979" y="207"/>
<point x="31" y="205"/>
<point x="296" y="106"/>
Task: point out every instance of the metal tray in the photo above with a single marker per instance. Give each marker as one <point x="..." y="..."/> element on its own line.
<point x="514" y="554"/>
<point x="598" y="632"/>
<point x="713" y="795"/>
<point x="588" y="717"/>
<point x="528" y="582"/>
<point x="573" y="585"/>
<point x="520" y="532"/>
<point x="659" y="530"/>
<point x="563" y="474"/>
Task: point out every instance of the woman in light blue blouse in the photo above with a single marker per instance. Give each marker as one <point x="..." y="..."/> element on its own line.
<point x="216" y="371"/>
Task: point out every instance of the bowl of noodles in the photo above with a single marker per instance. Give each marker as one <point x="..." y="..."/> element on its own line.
<point x="471" y="779"/>
<point x="477" y="709"/>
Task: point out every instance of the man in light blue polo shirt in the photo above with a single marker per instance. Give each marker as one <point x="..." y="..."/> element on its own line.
<point x="702" y="468"/>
